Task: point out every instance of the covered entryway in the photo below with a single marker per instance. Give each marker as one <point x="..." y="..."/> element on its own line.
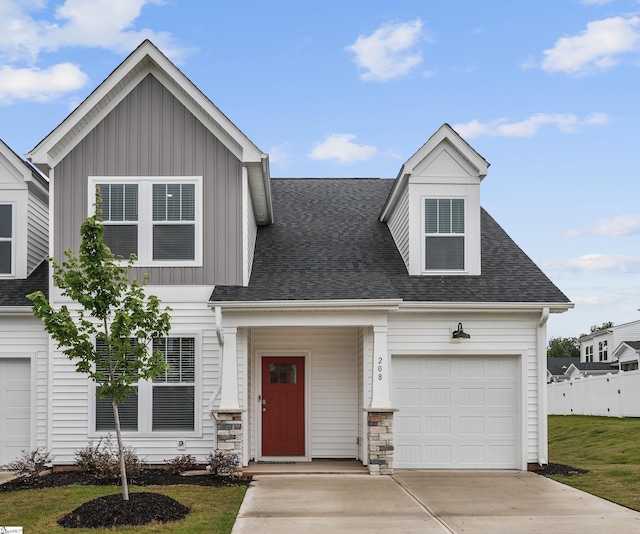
<point x="456" y="412"/>
<point x="15" y="408"/>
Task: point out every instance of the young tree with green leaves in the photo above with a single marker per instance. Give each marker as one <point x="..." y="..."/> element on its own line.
<point x="110" y="336"/>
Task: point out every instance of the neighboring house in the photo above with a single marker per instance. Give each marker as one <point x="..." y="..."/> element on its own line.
<point x="583" y="369"/>
<point x="389" y="321"/>
<point x="627" y="354"/>
<point x="557" y="368"/>
<point x="24" y="345"/>
<point x="599" y="346"/>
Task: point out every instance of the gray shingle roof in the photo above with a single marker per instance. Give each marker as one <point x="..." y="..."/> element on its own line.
<point x="14" y="292"/>
<point x="557" y="366"/>
<point x="596" y="366"/>
<point x="635" y="345"/>
<point x="327" y="244"/>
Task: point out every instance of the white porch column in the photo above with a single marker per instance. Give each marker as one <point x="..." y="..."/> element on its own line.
<point x="229" y="378"/>
<point x="381" y="387"/>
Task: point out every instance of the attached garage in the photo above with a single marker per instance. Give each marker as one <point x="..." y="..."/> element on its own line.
<point x="456" y="412"/>
<point x="15" y="408"/>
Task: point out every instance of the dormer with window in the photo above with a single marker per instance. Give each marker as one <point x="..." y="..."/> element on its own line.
<point x="24" y="195"/>
<point x="433" y="210"/>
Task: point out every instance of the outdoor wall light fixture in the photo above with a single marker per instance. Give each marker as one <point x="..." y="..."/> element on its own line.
<point x="460" y="333"/>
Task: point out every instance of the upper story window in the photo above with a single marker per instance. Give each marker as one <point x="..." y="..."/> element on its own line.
<point x="444" y="228"/>
<point x="588" y="353"/>
<point x="7" y="237"/>
<point x="157" y="218"/>
<point x="603" y="351"/>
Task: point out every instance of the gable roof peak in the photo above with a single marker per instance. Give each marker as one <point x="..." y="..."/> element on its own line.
<point x="146" y="58"/>
<point x="444" y="134"/>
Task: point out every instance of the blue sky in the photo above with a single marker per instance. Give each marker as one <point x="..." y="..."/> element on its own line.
<point x="546" y="91"/>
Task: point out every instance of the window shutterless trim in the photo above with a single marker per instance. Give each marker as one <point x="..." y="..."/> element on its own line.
<point x="146" y="225"/>
<point x="444" y="218"/>
<point x="8" y="238"/>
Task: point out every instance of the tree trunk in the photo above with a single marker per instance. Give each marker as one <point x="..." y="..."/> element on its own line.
<point x="123" y="467"/>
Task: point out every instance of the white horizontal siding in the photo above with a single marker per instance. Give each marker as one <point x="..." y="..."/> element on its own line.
<point x="399" y="226"/>
<point x="334" y="382"/>
<point x="71" y="392"/>
<point x="37" y="233"/>
<point x="515" y="334"/>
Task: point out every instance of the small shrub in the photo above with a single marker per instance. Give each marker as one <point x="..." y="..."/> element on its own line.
<point x="180" y="464"/>
<point x="222" y="463"/>
<point x="30" y="464"/>
<point x="103" y="461"/>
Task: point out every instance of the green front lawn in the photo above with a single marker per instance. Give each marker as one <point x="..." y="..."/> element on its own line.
<point x="213" y="510"/>
<point x="607" y="446"/>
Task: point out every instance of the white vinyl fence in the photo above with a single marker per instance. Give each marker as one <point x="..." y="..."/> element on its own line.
<point x="615" y="395"/>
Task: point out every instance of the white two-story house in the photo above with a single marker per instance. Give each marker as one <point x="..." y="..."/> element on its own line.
<point x="389" y="321"/>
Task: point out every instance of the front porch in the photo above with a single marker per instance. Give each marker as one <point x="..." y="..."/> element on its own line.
<point x="330" y="411"/>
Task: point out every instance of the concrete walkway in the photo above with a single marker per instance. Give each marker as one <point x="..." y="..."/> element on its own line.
<point x="469" y="502"/>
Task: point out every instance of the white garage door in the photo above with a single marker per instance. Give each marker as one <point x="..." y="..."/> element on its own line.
<point x="456" y="412"/>
<point x="15" y="408"/>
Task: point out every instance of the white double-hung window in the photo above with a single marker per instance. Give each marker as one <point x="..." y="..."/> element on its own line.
<point x="166" y="404"/>
<point x="7" y="238"/>
<point x="444" y="234"/>
<point x="158" y="219"/>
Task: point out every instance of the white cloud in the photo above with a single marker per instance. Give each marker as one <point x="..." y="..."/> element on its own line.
<point x="107" y="24"/>
<point x="280" y="155"/>
<point x="565" y="122"/>
<point x="616" y="263"/>
<point x="596" y="2"/>
<point x="594" y="49"/>
<point x="389" y="52"/>
<point x="342" y="148"/>
<point x="39" y="85"/>
<point x="623" y="225"/>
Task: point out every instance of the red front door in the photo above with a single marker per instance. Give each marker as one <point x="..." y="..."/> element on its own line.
<point x="283" y="406"/>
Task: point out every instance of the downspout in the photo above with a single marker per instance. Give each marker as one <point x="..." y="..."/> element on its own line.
<point x="218" y="315"/>
<point x="218" y="318"/>
<point x="543" y="434"/>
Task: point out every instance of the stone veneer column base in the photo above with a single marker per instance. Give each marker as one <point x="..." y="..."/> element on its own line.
<point x="380" y="438"/>
<point x="230" y="433"/>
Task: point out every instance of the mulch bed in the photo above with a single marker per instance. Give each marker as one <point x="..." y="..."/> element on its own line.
<point x="112" y="510"/>
<point x="561" y="469"/>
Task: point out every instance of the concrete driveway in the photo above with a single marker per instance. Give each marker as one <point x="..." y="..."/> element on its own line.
<point x="428" y="502"/>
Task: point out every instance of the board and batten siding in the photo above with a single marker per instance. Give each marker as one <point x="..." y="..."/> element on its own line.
<point x="71" y="405"/>
<point x="333" y="380"/>
<point x="399" y="226"/>
<point x="24" y="337"/>
<point x="150" y="133"/>
<point x="37" y="233"/>
<point x="504" y="334"/>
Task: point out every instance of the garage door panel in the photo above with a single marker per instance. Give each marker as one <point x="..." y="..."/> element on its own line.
<point x="436" y="397"/>
<point x="15" y="407"/>
<point x="460" y="421"/>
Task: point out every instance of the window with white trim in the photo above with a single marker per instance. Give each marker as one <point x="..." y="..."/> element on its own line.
<point x="165" y="404"/>
<point x="7" y="239"/>
<point x="603" y="351"/>
<point x="158" y="219"/>
<point x="444" y="234"/>
<point x="174" y="392"/>
<point x="588" y="353"/>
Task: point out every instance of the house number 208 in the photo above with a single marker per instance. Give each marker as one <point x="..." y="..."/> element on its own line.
<point x="379" y="368"/>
